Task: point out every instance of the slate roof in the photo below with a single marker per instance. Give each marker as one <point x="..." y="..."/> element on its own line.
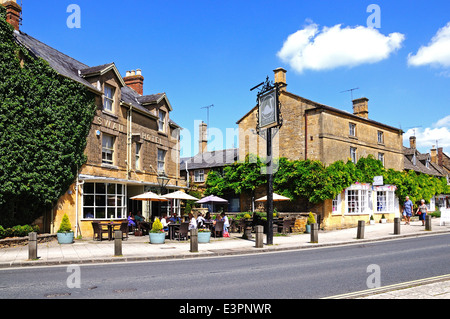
<point x="211" y="159"/>
<point x="76" y="70"/>
<point x="420" y="163"/>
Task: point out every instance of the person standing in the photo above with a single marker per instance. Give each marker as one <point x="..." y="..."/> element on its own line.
<point x="422" y="211"/>
<point x="407" y="210"/>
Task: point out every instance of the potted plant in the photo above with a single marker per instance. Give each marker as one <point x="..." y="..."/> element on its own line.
<point x="372" y="221"/>
<point x="311" y="220"/>
<point x="157" y="235"/>
<point x="65" y="232"/>
<point x="383" y="219"/>
<point x="204" y="235"/>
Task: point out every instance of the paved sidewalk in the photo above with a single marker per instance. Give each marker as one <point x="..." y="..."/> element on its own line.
<point x="139" y="249"/>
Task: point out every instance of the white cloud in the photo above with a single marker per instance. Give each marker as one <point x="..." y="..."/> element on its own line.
<point x="438" y="134"/>
<point x="333" y="47"/>
<point x="437" y="52"/>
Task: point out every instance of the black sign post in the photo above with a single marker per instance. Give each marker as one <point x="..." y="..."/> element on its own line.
<point x="268" y="117"/>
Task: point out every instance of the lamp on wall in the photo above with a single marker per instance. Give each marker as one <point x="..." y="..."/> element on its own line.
<point x="163" y="180"/>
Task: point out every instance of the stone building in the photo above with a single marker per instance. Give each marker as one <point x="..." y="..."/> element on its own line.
<point x="315" y="131"/>
<point x="132" y="146"/>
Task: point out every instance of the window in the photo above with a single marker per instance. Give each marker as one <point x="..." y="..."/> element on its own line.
<point x="104" y="201"/>
<point x="108" y="149"/>
<point x="161" y="160"/>
<point x="138" y="156"/>
<point x="381" y="158"/>
<point x="199" y="176"/>
<point x="353" y="154"/>
<point x="336" y="203"/>
<point x="380" y="137"/>
<point x="162" y="121"/>
<point x="385" y="201"/>
<point x="108" y="100"/>
<point x="358" y="201"/>
<point x="352" y="129"/>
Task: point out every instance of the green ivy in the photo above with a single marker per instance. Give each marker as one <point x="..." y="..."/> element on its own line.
<point x="315" y="182"/>
<point x="44" y="121"/>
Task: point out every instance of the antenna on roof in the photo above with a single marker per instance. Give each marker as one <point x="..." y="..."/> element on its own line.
<point x="414" y="129"/>
<point x="207" y="109"/>
<point x="351" y="91"/>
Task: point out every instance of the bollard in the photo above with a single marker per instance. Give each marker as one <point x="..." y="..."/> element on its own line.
<point x="194" y="240"/>
<point x="428" y="222"/>
<point x="118" y="243"/>
<point x="361" y="227"/>
<point x="397" y="226"/>
<point x="314" y="233"/>
<point x="32" y="246"/>
<point x="259" y="236"/>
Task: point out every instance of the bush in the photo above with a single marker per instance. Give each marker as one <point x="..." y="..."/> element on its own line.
<point x="65" y="226"/>
<point x="18" y="231"/>
<point x="157" y="226"/>
<point x="311" y="219"/>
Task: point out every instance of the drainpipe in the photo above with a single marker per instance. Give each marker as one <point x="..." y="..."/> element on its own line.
<point x="306" y="136"/>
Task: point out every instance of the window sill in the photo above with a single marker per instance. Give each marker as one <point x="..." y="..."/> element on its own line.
<point x="109" y="113"/>
<point x="110" y="166"/>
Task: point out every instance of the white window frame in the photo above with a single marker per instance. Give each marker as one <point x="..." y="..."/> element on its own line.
<point x="199" y="176"/>
<point x="352" y="129"/>
<point x="162" y="121"/>
<point x="137" y="156"/>
<point x="357" y="200"/>
<point x="353" y="154"/>
<point x="336" y="205"/>
<point x="161" y="165"/>
<point x="380" y="137"/>
<point x="385" y="201"/>
<point x="108" y="149"/>
<point x="381" y="158"/>
<point x="108" y="98"/>
<point x="109" y="203"/>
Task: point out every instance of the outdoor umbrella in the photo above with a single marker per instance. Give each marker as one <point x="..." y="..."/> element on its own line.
<point x="179" y="195"/>
<point x="212" y="199"/>
<point x="150" y="196"/>
<point x="276" y="198"/>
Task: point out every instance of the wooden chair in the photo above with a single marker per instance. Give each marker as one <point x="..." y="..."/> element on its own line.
<point x="218" y="228"/>
<point x="287" y="225"/>
<point x="124" y="229"/>
<point x="183" y="231"/>
<point x="98" y="231"/>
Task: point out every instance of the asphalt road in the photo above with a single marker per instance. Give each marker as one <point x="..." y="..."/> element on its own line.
<point x="307" y="273"/>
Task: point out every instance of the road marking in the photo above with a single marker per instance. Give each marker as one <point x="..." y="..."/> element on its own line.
<point x="383" y="289"/>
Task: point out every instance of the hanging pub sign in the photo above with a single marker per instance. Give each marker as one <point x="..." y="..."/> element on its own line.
<point x="268" y="109"/>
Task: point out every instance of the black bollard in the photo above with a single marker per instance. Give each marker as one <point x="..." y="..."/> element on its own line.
<point x="397" y="226"/>
<point x="361" y="227"/>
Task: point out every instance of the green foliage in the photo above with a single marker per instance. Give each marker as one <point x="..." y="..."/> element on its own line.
<point x="65" y="226"/>
<point x="18" y="231"/>
<point x="44" y="121"/>
<point x="157" y="226"/>
<point x="311" y="219"/>
<point x="315" y="182"/>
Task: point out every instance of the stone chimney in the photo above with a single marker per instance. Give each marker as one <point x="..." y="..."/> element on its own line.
<point x="412" y="142"/>
<point x="13" y="13"/>
<point x="135" y="80"/>
<point x="361" y="107"/>
<point x="203" y="138"/>
<point x="433" y="155"/>
<point x="280" y="77"/>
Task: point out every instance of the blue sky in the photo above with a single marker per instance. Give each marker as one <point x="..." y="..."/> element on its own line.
<point x="212" y="52"/>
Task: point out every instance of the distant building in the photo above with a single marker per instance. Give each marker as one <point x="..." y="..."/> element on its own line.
<point x="318" y="132"/>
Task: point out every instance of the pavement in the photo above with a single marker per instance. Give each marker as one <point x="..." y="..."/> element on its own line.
<point x="87" y="251"/>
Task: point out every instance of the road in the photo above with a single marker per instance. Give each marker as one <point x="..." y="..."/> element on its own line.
<point x="307" y="273"/>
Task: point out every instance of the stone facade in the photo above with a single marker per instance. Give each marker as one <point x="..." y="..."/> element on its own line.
<point x="315" y="131"/>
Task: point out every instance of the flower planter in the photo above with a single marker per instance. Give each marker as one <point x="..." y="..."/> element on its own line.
<point x="372" y="222"/>
<point x="307" y="229"/>
<point x="383" y="221"/>
<point x="65" y="238"/>
<point x="157" y="238"/>
<point x="204" y="237"/>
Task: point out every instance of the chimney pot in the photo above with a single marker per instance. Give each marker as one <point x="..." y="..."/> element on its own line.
<point x="13" y="13"/>
<point x="280" y="77"/>
<point x="135" y="80"/>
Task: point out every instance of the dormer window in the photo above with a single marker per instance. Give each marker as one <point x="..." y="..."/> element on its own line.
<point x="108" y="100"/>
<point x="162" y="121"/>
<point x="414" y="160"/>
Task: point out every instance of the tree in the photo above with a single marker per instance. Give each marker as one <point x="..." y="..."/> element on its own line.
<point x="44" y="121"/>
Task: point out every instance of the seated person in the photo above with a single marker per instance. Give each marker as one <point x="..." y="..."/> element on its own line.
<point x="192" y="222"/>
<point x="200" y="220"/>
<point x="164" y="222"/>
<point x="174" y="218"/>
<point x="131" y="221"/>
<point x="208" y="217"/>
